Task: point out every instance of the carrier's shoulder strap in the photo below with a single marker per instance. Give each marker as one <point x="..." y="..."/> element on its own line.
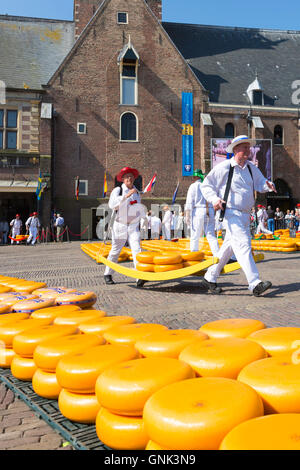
<point x="227" y="189"/>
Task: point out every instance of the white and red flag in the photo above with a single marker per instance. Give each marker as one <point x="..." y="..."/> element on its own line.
<point x="150" y="185"/>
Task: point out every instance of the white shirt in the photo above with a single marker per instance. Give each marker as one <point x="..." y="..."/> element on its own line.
<point x="155" y="224"/>
<point x="16" y="224"/>
<point x="241" y="194"/>
<point x="59" y="221"/>
<point x="130" y="210"/>
<point x="33" y="222"/>
<point x="195" y="197"/>
<point x="167" y="219"/>
<point x="262" y="215"/>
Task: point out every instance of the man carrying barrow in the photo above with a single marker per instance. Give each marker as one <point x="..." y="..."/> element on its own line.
<point x="230" y="188"/>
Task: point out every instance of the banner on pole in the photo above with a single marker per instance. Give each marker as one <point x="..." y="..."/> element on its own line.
<point x="187" y="135"/>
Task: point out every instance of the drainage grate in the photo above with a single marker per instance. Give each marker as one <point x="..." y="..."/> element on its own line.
<point x="80" y="436"/>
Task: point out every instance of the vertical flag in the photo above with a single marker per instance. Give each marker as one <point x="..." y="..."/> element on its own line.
<point x="150" y="184"/>
<point x="39" y="188"/>
<point x="187" y="135"/>
<point x="104" y="185"/>
<point x="77" y="188"/>
<point x="175" y="193"/>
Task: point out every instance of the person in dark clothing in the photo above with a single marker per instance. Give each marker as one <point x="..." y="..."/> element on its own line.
<point x="271" y="223"/>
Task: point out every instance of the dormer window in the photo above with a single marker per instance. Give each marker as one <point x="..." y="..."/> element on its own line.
<point x="255" y="93"/>
<point x="257" y="97"/>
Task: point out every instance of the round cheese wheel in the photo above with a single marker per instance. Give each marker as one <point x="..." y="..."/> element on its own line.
<point x="121" y="432"/>
<point x="130" y="334"/>
<point x="277" y="341"/>
<point x="48" y="353"/>
<point x="5" y="308"/>
<point x="277" y="381"/>
<point x="161" y="268"/>
<point x="14" y="297"/>
<point x="28" y="286"/>
<point x="168" y="343"/>
<point x="192" y="255"/>
<point x="124" y="388"/>
<point x="6" y="356"/>
<point x="45" y="384"/>
<point x="4" y="289"/>
<point x="25" y="342"/>
<point x="78" y="372"/>
<point x="197" y="414"/>
<point x="238" y="327"/>
<point x="52" y="292"/>
<point x="273" y="432"/>
<point x="81" y="408"/>
<point x="221" y="357"/>
<point x="8" y="317"/>
<point x="169" y="258"/>
<point x="146" y="257"/>
<point x="100" y="325"/>
<point x="8" y="330"/>
<point x="82" y="299"/>
<point x="151" y="445"/>
<point x="12" y="282"/>
<point x="147" y="268"/>
<point x="23" y="368"/>
<point x="29" y="306"/>
<point x="74" y="318"/>
<point x="55" y="311"/>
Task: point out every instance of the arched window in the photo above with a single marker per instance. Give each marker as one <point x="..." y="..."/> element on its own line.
<point x="229" y="130"/>
<point x="128" y="127"/>
<point x="278" y="135"/>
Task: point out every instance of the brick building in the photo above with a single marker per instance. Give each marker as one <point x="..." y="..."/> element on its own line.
<point x="111" y="96"/>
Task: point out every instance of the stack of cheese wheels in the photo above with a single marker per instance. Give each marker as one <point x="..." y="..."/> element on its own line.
<point x="122" y="392"/>
<point x="130" y="334"/>
<point x="168" y="343"/>
<point x="277" y="341"/>
<point x="100" y="325"/>
<point x="52" y="292"/>
<point x="273" y="432"/>
<point x="197" y="414"/>
<point x="190" y="258"/>
<point x="12" y="298"/>
<point x="7" y="353"/>
<point x="74" y="318"/>
<point x="55" y="311"/>
<point x="145" y="261"/>
<point x="47" y="355"/>
<point x="82" y="299"/>
<point x="167" y="262"/>
<point x="277" y="381"/>
<point x="221" y="357"/>
<point x="8" y="330"/>
<point x="29" y="306"/>
<point x="77" y="375"/>
<point x="29" y="286"/>
<point x="238" y="327"/>
<point x="23" y="366"/>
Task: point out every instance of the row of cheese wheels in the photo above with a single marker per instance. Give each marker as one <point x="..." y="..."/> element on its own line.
<point x="96" y="249"/>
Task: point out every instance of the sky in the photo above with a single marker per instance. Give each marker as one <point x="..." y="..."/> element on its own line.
<point x="267" y="14"/>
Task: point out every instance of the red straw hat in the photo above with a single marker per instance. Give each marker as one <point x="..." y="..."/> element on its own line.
<point x="126" y="170"/>
<point x="17" y="215"/>
<point x="35" y="213"/>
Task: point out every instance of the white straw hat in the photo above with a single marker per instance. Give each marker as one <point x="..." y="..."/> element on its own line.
<point x="240" y="139"/>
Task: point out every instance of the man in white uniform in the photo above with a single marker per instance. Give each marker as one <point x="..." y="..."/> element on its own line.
<point x="33" y="226"/>
<point x="155" y="227"/>
<point x="237" y="216"/>
<point x="262" y="218"/>
<point x="16" y="225"/>
<point x="200" y="216"/>
<point x="167" y="223"/>
<point x="126" y="202"/>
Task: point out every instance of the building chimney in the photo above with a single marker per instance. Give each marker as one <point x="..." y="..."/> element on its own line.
<point x="156" y="7"/>
<point x="83" y="12"/>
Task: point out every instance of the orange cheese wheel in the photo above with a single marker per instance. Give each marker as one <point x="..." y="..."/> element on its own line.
<point x="99" y="325"/>
<point x="74" y="318"/>
<point x="151" y="445"/>
<point x="55" y="311"/>
<point x="221" y="357"/>
<point x="273" y="432"/>
<point x="130" y="334"/>
<point x="81" y="408"/>
<point x="165" y="259"/>
<point x="277" y="381"/>
<point x="29" y="306"/>
<point x="8" y="330"/>
<point x="45" y="384"/>
<point x="4" y="289"/>
<point x="124" y="388"/>
<point x="147" y="268"/>
<point x="78" y="372"/>
<point x="82" y="299"/>
<point x="25" y="343"/>
<point x="12" y="282"/>
<point x="277" y="341"/>
<point x="8" y="317"/>
<point x="29" y="286"/>
<point x="197" y="414"/>
<point x="5" y="308"/>
<point x="168" y="343"/>
<point x="14" y="297"/>
<point x="192" y="255"/>
<point x="52" y="292"/>
<point x="146" y="257"/>
<point x="121" y="432"/>
<point x="237" y="327"/>
<point x="161" y="268"/>
<point x="48" y="353"/>
<point x="6" y="356"/>
<point x="22" y="368"/>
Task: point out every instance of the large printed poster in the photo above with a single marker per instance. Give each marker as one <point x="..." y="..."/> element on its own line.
<point x="260" y="154"/>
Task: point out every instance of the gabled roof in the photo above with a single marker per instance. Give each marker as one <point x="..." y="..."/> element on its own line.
<point x="32" y="49"/>
<point x="226" y="59"/>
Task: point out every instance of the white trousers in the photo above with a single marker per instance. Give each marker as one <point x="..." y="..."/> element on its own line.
<point x="14" y="233"/>
<point x="33" y="233"/>
<point x="203" y="225"/>
<point x="237" y="241"/>
<point x="122" y="233"/>
<point x="262" y="229"/>
<point x="166" y="231"/>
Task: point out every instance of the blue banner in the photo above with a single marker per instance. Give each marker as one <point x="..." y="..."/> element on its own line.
<point x="187" y="135"/>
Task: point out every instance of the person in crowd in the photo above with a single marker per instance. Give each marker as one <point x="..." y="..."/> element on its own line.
<point x="53" y="226"/>
<point x="144" y="228"/>
<point x="297" y="218"/>
<point x="271" y="221"/>
<point x="4" y="230"/>
<point x="292" y="219"/>
<point x="167" y="223"/>
<point x="16" y="227"/>
<point x="287" y="219"/>
<point x="246" y="179"/>
<point x="33" y="226"/>
<point x="262" y="218"/>
<point x="125" y="201"/>
<point x="179" y="226"/>
<point x="278" y="219"/>
<point x="59" y="225"/>
<point x="155" y="227"/>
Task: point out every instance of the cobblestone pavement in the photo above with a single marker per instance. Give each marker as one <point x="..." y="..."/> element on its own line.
<point x="177" y="304"/>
